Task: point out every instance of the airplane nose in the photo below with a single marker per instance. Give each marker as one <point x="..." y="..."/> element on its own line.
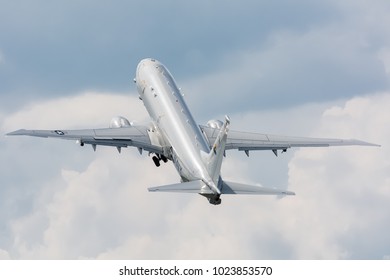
<point x="140" y="65"/>
<point x="144" y="63"/>
<point x="147" y="61"/>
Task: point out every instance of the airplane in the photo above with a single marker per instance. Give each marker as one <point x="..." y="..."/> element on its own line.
<point x="196" y="150"/>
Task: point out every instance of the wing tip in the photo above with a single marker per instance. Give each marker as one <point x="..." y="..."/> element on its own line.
<point x="17" y="132"/>
<point x="364" y="143"/>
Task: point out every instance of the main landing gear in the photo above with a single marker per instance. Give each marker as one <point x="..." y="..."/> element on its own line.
<point x="157" y="158"/>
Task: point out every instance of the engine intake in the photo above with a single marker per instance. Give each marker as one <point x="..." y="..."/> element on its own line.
<point x="119" y="121"/>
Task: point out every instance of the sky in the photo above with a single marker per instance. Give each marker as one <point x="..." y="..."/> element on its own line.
<point x="302" y="68"/>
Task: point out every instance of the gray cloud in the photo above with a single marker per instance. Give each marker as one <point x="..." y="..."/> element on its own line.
<point x="320" y="65"/>
<point x="70" y="47"/>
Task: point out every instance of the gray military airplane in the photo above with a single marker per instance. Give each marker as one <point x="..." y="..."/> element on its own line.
<point x="195" y="150"/>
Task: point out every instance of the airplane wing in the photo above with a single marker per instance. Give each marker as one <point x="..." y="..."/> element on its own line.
<point x="136" y="136"/>
<point x="247" y="141"/>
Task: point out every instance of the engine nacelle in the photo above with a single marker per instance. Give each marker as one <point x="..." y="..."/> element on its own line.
<point x="215" y="124"/>
<point x="119" y="121"/>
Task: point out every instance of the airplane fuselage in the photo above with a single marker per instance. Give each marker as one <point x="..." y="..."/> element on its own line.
<point x="173" y="120"/>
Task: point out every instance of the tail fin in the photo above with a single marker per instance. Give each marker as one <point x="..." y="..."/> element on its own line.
<point x="214" y="158"/>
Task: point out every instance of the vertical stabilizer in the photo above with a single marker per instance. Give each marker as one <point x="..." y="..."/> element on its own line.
<point x="214" y="158"/>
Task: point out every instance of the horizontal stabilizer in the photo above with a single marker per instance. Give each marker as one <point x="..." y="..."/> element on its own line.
<point x="238" y="188"/>
<point x="188" y="187"/>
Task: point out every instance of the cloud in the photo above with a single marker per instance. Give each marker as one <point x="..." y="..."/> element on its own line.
<point x="343" y="194"/>
<point x="77" y="111"/>
<point x="101" y="209"/>
<point x="384" y="55"/>
<point x="324" y="63"/>
<point x="4" y="255"/>
<point x="315" y="51"/>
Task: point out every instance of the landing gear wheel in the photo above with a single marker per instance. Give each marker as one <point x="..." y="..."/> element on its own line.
<point x="163" y="158"/>
<point x="156" y="161"/>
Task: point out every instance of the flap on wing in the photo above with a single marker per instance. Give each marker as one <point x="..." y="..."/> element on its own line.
<point x="238" y="188"/>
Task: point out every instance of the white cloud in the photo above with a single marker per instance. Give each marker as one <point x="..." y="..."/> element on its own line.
<point x="88" y="108"/>
<point x="342" y="194"/>
<point x="4" y="255"/>
<point x="103" y="210"/>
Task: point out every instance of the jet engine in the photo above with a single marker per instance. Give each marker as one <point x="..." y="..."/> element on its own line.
<point x="215" y="124"/>
<point x="119" y="121"/>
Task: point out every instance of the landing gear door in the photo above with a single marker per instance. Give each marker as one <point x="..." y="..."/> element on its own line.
<point x="155" y="137"/>
<point x="158" y="140"/>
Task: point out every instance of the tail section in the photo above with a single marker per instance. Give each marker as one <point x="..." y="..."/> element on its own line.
<point x="213" y="186"/>
<point x="214" y="159"/>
